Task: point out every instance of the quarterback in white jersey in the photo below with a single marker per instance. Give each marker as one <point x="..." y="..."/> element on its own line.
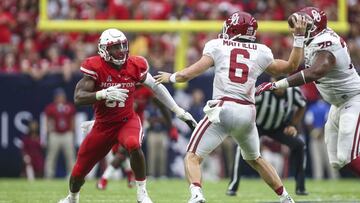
<point x="328" y="64"/>
<point x="237" y="62"/>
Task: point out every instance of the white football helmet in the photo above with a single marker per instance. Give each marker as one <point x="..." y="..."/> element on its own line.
<point x="109" y="38"/>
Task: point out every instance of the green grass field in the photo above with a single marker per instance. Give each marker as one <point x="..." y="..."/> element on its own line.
<point x="176" y="191"/>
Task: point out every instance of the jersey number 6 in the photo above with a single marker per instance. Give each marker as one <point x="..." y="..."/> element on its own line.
<point x="234" y="65"/>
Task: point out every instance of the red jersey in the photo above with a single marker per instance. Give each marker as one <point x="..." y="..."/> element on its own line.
<point x="62" y="114"/>
<point x="142" y="97"/>
<point x="104" y="75"/>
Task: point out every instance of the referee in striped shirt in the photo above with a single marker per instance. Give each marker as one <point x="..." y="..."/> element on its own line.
<point x="278" y="114"/>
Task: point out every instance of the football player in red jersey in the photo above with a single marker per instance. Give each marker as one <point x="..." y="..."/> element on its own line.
<point x="143" y="96"/>
<point x="109" y="85"/>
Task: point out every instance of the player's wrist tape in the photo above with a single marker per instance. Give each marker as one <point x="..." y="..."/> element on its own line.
<point x="303" y="76"/>
<point x="100" y="95"/>
<point x="299" y="41"/>
<point x="178" y="111"/>
<point x="172" y="78"/>
<point x="281" y="84"/>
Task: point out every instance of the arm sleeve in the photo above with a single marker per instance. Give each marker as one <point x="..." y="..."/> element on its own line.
<point x="163" y="95"/>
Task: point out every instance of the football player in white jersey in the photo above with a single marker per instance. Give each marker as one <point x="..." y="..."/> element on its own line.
<point x="237" y="61"/>
<point x="328" y="64"/>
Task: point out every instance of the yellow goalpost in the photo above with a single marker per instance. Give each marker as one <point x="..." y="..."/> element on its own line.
<point x="184" y="28"/>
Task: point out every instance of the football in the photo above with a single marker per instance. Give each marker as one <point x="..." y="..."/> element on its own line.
<point x="294" y="16"/>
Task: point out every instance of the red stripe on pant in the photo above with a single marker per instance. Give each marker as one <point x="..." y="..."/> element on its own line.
<point x="355" y="141"/>
<point x="200" y="136"/>
<point x="197" y="130"/>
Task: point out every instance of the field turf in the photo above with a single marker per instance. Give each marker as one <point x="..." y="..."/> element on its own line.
<point x="176" y="191"/>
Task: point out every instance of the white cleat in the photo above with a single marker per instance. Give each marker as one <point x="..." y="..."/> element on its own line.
<point x="286" y="199"/>
<point x="143" y="197"/>
<point x="68" y="199"/>
<point x="197" y="198"/>
<point x="196" y="195"/>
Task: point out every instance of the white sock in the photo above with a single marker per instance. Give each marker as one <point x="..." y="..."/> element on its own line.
<point x="109" y="171"/>
<point x="74" y="196"/>
<point x="284" y="193"/>
<point x="141" y="185"/>
<point x="194" y="189"/>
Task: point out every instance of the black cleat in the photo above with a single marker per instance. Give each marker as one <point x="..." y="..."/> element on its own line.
<point x="230" y="193"/>
<point x="301" y="192"/>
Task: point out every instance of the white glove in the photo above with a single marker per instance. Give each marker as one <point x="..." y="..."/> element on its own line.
<point x="187" y="118"/>
<point x="113" y="93"/>
<point x="86" y="126"/>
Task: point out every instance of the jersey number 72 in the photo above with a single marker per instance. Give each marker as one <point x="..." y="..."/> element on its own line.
<point x="234" y="65"/>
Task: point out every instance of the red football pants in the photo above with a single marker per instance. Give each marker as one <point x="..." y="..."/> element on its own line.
<point x="102" y="138"/>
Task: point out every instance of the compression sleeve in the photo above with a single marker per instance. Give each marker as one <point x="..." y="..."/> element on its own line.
<point x="163" y="95"/>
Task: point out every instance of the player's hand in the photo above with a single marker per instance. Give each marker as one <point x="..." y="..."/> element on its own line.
<point x="86" y="126"/>
<point x="290" y="130"/>
<point x="113" y="93"/>
<point x="188" y="119"/>
<point x="173" y="134"/>
<point x="162" y="77"/>
<point x="299" y="24"/>
<point x="265" y="86"/>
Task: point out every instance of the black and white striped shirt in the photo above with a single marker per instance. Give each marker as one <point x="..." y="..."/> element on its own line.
<point x="274" y="111"/>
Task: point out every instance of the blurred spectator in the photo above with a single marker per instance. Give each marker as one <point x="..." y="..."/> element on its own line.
<point x="33" y="152"/>
<point x="60" y="127"/>
<point x="315" y="119"/>
<point x="156" y="141"/>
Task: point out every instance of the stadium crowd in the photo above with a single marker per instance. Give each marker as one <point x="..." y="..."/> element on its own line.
<point x="25" y="50"/>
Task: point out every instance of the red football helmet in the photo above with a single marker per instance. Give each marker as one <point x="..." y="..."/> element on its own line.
<point x="239" y="25"/>
<point x="319" y="20"/>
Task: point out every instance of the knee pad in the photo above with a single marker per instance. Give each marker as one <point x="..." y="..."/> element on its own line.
<point x="131" y="143"/>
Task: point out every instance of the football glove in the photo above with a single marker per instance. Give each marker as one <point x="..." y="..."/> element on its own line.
<point x="113" y="93"/>
<point x="265" y="86"/>
<point x="188" y="119"/>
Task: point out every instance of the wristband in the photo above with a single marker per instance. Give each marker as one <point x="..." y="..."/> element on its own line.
<point x="281" y="84"/>
<point x="303" y="76"/>
<point x="172" y="78"/>
<point x="299" y="41"/>
<point x="100" y="95"/>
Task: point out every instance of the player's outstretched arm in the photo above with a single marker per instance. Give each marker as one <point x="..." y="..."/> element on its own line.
<point x="279" y="66"/>
<point x="324" y="62"/>
<point x="204" y="63"/>
<point x="163" y="95"/>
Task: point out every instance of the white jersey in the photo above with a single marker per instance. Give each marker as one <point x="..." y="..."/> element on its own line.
<point x="237" y="66"/>
<point x="342" y="82"/>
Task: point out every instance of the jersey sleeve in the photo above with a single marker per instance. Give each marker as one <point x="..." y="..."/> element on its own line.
<point x="142" y="67"/>
<point x="266" y="57"/>
<point x="210" y="48"/>
<point x="87" y="68"/>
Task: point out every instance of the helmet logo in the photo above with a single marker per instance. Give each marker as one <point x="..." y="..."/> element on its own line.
<point x="234" y="19"/>
<point x="316" y="15"/>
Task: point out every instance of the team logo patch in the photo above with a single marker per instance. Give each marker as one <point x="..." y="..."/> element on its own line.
<point x="109" y="79"/>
